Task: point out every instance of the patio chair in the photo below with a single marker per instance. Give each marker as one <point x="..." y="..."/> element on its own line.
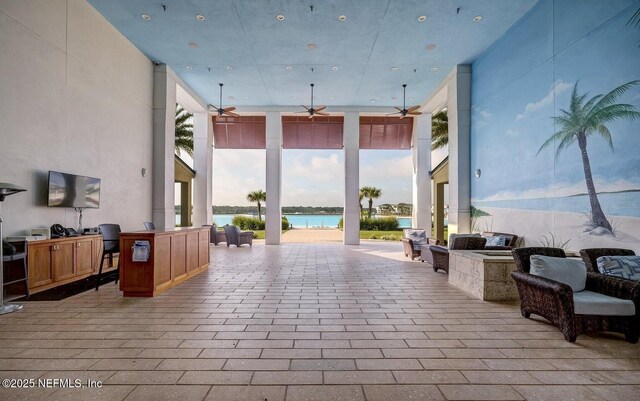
<point x="413" y="240"/>
<point x="216" y="236"/>
<point x="591" y="255"/>
<point x="574" y="300"/>
<point x="510" y="240"/>
<point x="110" y="245"/>
<point x="237" y="237"/>
<point x="440" y="254"/>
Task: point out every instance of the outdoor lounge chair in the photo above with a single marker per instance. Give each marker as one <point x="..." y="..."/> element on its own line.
<point x="237" y="237"/>
<point x="440" y="254"/>
<point x="600" y="303"/>
<point x="414" y="240"/>
<point x="216" y="236"/>
<point x="591" y="255"/>
<point x="510" y="240"/>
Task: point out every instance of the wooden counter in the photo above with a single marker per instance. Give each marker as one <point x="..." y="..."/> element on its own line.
<point x="176" y="255"/>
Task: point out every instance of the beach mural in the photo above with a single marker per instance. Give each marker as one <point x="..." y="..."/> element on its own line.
<point x="556" y="127"/>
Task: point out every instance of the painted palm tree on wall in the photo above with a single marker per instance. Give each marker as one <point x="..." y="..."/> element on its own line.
<point x="184" y="131"/>
<point x="257" y="197"/>
<point x="582" y="120"/>
<point x="371" y="193"/>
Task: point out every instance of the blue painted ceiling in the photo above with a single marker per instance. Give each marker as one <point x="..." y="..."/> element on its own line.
<point x="376" y="36"/>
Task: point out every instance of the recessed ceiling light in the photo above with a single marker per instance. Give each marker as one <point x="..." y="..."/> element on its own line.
<point x="394" y="68"/>
<point x="335" y="68"/>
<point x="477" y="18"/>
<point x="280" y="17"/>
<point x="229" y="67"/>
<point x="372" y="100"/>
<point x="411" y="98"/>
<point x="246" y="98"/>
<point x="146" y="17"/>
<point x="394" y="97"/>
<point x="193" y="45"/>
<point x="431" y="46"/>
<point x="231" y="97"/>
<point x="312" y="46"/>
<point x="342" y="18"/>
<point x="200" y="17"/>
<point x="434" y="69"/>
<point x="422" y="18"/>
<point x="189" y="67"/>
<point x="289" y="68"/>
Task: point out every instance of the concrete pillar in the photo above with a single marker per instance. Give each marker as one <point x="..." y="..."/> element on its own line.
<point x="459" y="110"/>
<point x="421" y="216"/>
<point x="164" y="127"/>
<point x="203" y="165"/>
<point x="438" y="217"/>
<point x="351" y="216"/>
<point x="273" y="214"/>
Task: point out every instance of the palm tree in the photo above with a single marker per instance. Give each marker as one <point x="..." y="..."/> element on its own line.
<point x="360" y="198"/>
<point x="258" y="196"/>
<point x="184" y="131"/>
<point x="439" y="130"/>
<point x="581" y="121"/>
<point x="371" y="193"/>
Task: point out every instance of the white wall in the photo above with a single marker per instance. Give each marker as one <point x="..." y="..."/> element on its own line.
<point x="75" y="96"/>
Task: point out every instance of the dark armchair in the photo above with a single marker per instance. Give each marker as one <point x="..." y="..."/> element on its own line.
<point x="590" y="256"/>
<point x="237" y="237"/>
<point x="414" y="240"/>
<point x="216" y="236"/>
<point x="556" y="301"/>
<point x="440" y="254"/>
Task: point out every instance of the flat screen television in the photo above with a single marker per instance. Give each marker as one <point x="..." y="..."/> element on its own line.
<point x="68" y="190"/>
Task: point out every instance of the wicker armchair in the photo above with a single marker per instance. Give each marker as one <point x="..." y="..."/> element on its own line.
<point x="216" y="236"/>
<point x="554" y="300"/>
<point x="511" y="239"/>
<point x="237" y="237"/>
<point x="411" y="247"/>
<point x="440" y="254"/>
<point x="590" y="256"/>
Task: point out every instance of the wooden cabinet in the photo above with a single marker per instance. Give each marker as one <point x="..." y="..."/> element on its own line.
<point x="59" y="261"/>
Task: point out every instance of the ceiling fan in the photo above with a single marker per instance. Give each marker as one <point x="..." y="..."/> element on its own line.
<point x="413" y="111"/>
<point x="314" y="111"/>
<point x="227" y="110"/>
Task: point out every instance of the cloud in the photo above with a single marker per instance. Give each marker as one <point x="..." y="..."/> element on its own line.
<point x="481" y="117"/>
<point x="564" y="189"/>
<point x="236" y="173"/>
<point x="558" y="87"/>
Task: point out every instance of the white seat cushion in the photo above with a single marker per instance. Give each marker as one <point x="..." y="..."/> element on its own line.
<point x="572" y="272"/>
<point x="593" y="303"/>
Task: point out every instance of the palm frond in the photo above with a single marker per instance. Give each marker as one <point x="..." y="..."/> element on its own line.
<point x="564" y="143"/>
<point x="605" y="134"/>
<point x="613" y="112"/>
<point x="560" y="136"/>
<point x="611" y="97"/>
<point x="635" y="19"/>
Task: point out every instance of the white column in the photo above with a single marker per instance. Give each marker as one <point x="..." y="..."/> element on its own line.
<point x="459" y="110"/>
<point x="421" y="216"/>
<point x="203" y="165"/>
<point x="164" y="127"/>
<point x="273" y="214"/>
<point x="351" y="216"/>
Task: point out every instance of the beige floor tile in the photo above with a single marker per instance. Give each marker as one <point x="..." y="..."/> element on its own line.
<point x="358" y="377"/>
<point x="555" y="393"/>
<point x="501" y="377"/>
<point x="402" y="392"/>
<point x="168" y="393"/>
<point x="246" y="393"/>
<point x="429" y="377"/>
<point x="479" y="392"/>
<point x="191" y="364"/>
<point x="145" y="377"/>
<point x="215" y="377"/>
<point x="301" y="377"/>
<point x="324" y="393"/>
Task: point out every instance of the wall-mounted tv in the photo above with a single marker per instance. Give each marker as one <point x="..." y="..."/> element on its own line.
<point x="68" y="190"/>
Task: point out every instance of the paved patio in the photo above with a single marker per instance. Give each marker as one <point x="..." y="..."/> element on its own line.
<point x="307" y="322"/>
<point x="312" y="235"/>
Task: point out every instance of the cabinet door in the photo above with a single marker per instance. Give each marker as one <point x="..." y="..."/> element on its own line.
<point x="84" y="256"/>
<point x="39" y="264"/>
<point x="97" y="253"/>
<point x="63" y="261"/>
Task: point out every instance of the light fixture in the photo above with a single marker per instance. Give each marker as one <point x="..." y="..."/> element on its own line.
<point x="431" y="46"/>
<point x="280" y="17"/>
<point x="193" y="45"/>
<point x="146" y="17"/>
<point x="189" y="67"/>
<point x="478" y="173"/>
<point x="200" y="17"/>
<point x="231" y="97"/>
<point x="312" y="46"/>
<point x="229" y="67"/>
<point x="411" y="98"/>
<point x="289" y="68"/>
<point x="394" y="68"/>
<point x="394" y="97"/>
<point x="143" y="172"/>
<point x="422" y="18"/>
<point x="342" y="18"/>
<point x="335" y="68"/>
<point x="477" y="18"/>
<point x="373" y="100"/>
<point x="246" y="98"/>
<point x="6" y="189"/>
<point x="434" y="69"/>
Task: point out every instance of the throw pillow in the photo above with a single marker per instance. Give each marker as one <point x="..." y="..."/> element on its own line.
<point x="498" y="240"/>
<point x="572" y="272"/>
<point x="620" y="266"/>
<point x="419" y="237"/>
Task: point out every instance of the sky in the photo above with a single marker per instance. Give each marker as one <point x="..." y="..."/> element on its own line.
<point x="310" y="177"/>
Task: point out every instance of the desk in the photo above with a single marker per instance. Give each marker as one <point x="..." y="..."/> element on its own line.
<point x="175" y="256"/>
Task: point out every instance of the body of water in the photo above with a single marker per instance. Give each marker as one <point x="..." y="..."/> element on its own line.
<point x="307" y="220"/>
<point x="613" y="204"/>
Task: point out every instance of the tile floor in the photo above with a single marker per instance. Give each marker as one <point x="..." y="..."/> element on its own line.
<point x="306" y="322"/>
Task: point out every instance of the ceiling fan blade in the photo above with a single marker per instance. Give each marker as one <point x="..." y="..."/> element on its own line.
<point x="310" y="116"/>
<point x="413" y="108"/>
<point x="229" y="109"/>
<point x="398" y="108"/>
<point x="322" y="113"/>
<point x="414" y="113"/>
<point x="229" y="113"/>
<point x="320" y="108"/>
<point x="402" y="116"/>
<point x="302" y="105"/>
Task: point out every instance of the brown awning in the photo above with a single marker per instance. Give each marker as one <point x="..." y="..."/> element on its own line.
<point x="319" y="133"/>
<point x="245" y="132"/>
<point x="385" y="133"/>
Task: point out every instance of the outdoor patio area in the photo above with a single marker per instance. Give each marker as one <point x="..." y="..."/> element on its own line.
<point x="275" y="323"/>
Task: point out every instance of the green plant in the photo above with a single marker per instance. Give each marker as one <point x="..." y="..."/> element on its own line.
<point x="550" y="241"/>
<point x="258" y="196"/>
<point x="371" y="193"/>
<point x="285" y="223"/>
<point x="184" y="131"/>
<point x="439" y="130"/>
<point x="389" y="223"/>
<point x="584" y="119"/>
<point x="247" y="223"/>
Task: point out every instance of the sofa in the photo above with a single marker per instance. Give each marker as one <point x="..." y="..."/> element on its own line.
<point x="440" y="254"/>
